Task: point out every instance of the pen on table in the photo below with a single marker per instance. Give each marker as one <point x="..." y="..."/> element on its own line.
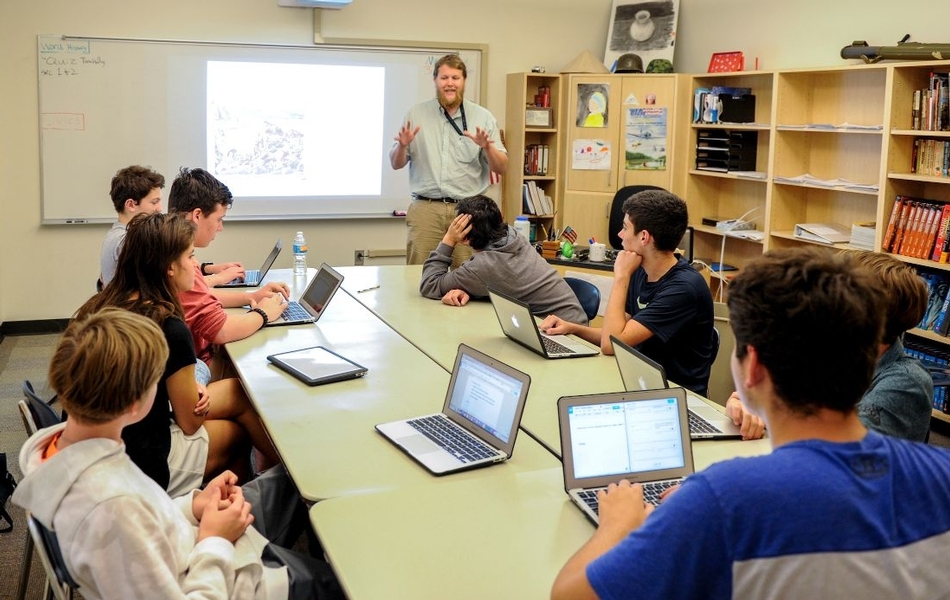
<point x="369" y="289"/>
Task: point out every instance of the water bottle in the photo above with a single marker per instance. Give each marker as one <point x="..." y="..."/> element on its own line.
<point x="300" y="254"/>
<point x="523" y="226"/>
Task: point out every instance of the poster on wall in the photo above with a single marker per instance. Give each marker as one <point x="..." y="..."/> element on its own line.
<point x="591" y="155"/>
<point x="592" y="101"/>
<point x="646" y="139"/>
<point x="647" y="29"/>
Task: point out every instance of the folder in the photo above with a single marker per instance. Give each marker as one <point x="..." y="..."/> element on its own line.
<point x="824" y="233"/>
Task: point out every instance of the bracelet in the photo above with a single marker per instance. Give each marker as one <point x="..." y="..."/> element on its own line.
<point x="203" y="265"/>
<point x="261" y="312"/>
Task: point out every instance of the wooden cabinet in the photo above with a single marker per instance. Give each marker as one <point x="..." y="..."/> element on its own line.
<point x="634" y="147"/>
<point x="521" y="134"/>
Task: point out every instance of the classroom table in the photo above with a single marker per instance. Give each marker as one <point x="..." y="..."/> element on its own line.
<point x="325" y="434"/>
<point x="503" y="537"/>
<point x="392" y="293"/>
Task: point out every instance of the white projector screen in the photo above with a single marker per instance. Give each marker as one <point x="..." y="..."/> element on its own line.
<point x="296" y="132"/>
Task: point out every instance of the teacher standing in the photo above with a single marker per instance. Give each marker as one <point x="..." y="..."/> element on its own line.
<point x="450" y="144"/>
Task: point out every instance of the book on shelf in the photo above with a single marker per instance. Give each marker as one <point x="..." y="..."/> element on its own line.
<point x="941" y="239"/>
<point x="937" y="286"/>
<point x="862" y="235"/>
<point x="823" y="233"/>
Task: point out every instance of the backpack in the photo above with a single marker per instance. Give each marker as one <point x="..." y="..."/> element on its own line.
<point x="7" y="485"/>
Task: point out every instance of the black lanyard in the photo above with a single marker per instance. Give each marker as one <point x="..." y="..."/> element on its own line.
<point x="452" y="121"/>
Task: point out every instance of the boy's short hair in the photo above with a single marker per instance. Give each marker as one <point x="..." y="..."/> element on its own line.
<point x="106" y="362"/>
<point x="815" y="320"/>
<point x="487" y="223"/>
<point x="197" y="188"/>
<point x="905" y="292"/>
<point x="453" y="61"/>
<point x="661" y="213"/>
<point x="133" y="182"/>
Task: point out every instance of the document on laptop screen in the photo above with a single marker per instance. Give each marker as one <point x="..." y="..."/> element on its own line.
<point x="486" y="397"/>
<point x="626" y="437"/>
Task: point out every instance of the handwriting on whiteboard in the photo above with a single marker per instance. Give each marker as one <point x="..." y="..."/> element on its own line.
<point x="67" y="58"/>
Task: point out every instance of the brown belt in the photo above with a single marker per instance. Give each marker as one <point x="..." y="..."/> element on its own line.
<point x="445" y="200"/>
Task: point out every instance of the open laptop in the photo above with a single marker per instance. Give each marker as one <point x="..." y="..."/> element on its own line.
<point x="640" y="372"/>
<point x="479" y="421"/>
<point x="252" y="277"/>
<point x="518" y="323"/>
<point x="639" y="436"/>
<point x="313" y="301"/>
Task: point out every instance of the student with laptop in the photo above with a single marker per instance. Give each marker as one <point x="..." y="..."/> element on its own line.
<point x="192" y="433"/>
<point x="835" y="511"/>
<point x="204" y="200"/>
<point x="658" y="303"/>
<point x="134" y="190"/>
<point x="503" y="261"/>
<point x="119" y="534"/>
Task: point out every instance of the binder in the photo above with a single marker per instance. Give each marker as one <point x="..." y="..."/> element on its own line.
<point x="824" y="233"/>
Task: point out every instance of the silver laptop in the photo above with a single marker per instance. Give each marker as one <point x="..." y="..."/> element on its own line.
<point x="638" y="436"/>
<point x="640" y="372"/>
<point x="479" y="421"/>
<point x="314" y="301"/>
<point x="253" y="278"/>
<point x="518" y="323"/>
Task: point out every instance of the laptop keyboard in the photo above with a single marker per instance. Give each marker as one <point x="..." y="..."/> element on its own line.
<point x="453" y="438"/>
<point x="552" y="347"/>
<point x="699" y="425"/>
<point x="294" y="312"/>
<point x="651" y="493"/>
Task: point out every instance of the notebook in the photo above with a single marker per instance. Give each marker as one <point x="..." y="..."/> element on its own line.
<point x="638" y="436"/>
<point x="518" y="323"/>
<point x="479" y="421"/>
<point x="252" y="277"/>
<point x="639" y="372"/>
<point x="314" y="300"/>
<point x="317" y="365"/>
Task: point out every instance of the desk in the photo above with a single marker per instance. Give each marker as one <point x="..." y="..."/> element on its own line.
<point x="325" y="434"/>
<point x="495" y="538"/>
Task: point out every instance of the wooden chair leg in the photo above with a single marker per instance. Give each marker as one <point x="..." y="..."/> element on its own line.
<point x="25" y="567"/>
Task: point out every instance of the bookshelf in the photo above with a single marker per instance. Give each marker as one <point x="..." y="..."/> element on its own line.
<point x="521" y="135"/>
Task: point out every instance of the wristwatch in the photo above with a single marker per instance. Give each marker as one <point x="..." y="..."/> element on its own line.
<point x="203" y="265"/>
<point x="261" y="312"/>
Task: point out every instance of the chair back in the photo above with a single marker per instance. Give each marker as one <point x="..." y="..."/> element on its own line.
<point x="615" y="222"/>
<point x="47" y="548"/>
<point x="587" y="294"/>
<point x="42" y="413"/>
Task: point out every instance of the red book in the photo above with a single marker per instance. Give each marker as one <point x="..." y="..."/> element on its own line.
<point x="892" y="224"/>
<point x="941" y="233"/>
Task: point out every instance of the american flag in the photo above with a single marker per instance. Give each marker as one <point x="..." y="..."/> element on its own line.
<point x="569" y="234"/>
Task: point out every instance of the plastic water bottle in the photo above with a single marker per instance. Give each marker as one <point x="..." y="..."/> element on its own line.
<point x="523" y="226"/>
<point x="300" y="254"/>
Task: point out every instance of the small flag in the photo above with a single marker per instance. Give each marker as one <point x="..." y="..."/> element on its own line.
<point x="569" y="234"/>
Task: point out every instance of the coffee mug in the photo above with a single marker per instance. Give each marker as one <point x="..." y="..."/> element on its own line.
<point x="598" y="252"/>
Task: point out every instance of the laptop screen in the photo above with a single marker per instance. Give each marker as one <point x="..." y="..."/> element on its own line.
<point x="321" y="290"/>
<point x="486" y="396"/>
<point x="620" y="438"/>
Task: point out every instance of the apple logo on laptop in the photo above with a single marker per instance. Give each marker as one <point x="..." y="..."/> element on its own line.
<point x="514" y="321"/>
<point x="643" y="383"/>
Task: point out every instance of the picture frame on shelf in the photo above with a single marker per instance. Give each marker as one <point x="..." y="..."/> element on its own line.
<point x="535" y="116"/>
<point x="726" y="62"/>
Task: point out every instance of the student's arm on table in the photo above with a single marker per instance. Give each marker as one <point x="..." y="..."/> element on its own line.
<point x="622" y="510"/>
<point x="239" y="298"/>
<point x="238" y="327"/>
<point x="750" y="426"/>
<point x="218" y="273"/>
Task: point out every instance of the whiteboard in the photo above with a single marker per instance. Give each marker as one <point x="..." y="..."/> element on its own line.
<point x="105" y="104"/>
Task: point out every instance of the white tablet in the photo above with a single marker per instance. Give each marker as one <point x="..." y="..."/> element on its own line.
<point x="317" y="365"/>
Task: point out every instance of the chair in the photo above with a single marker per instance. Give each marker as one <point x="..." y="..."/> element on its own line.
<point x="615" y="222"/>
<point x="587" y="294"/>
<point x="41" y="411"/>
<point x="716" y="340"/>
<point x="60" y="584"/>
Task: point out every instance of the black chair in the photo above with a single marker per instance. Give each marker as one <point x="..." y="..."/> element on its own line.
<point x="41" y="411"/>
<point x="615" y="222"/>
<point x="60" y="584"/>
<point x="587" y="294"/>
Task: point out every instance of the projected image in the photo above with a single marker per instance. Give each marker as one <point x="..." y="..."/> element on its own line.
<point x="282" y="129"/>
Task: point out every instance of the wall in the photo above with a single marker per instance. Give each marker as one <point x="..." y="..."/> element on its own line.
<point x="46" y="272"/>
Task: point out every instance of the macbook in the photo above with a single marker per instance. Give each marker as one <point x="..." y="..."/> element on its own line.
<point x="638" y="436"/>
<point x="518" y="323"/>
<point x="639" y="372"/>
<point x="253" y="278"/>
<point x="479" y="420"/>
<point x="314" y="300"/>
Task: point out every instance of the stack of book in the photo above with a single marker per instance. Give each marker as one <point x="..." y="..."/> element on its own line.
<point x="536" y="159"/>
<point x="862" y="235"/>
<point x="930" y="157"/>
<point x="930" y="108"/>
<point x="936" y="359"/>
<point x="919" y="229"/>
<point x="534" y="201"/>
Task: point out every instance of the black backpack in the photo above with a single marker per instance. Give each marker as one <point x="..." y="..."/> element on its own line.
<point x="7" y="485"/>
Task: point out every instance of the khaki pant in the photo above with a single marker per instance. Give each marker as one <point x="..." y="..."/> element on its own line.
<point x="428" y="220"/>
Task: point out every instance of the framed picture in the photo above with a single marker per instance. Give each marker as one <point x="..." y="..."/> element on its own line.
<point x="538" y="117"/>
<point x="646" y="28"/>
